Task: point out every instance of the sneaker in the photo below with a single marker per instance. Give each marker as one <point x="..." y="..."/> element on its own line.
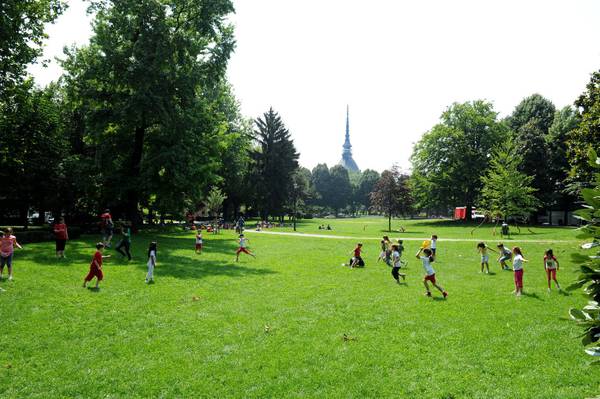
<point x="445" y="294"/>
<point x="10" y="278"/>
<point x="146" y="281"/>
<point x="428" y="293"/>
<point x="549" y="290"/>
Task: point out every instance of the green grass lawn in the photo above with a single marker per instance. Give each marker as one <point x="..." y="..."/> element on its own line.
<point x="274" y="326"/>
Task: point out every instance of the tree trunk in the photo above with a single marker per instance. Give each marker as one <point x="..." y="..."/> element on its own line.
<point x="469" y="212"/>
<point x="390" y="222"/>
<point x="23" y="216"/>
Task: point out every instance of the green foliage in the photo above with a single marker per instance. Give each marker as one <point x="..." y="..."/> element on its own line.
<point x="536" y="109"/>
<point x="340" y="189"/>
<point x="392" y="195"/>
<point x="449" y="160"/>
<point x="507" y="192"/>
<point x="21" y="36"/>
<point x="587" y="134"/>
<point x="274" y="162"/>
<point x="366" y="184"/>
<point x="214" y="200"/>
<point x="589" y="279"/>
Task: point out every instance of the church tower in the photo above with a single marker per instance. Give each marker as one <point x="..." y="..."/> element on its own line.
<point x="347" y="161"/>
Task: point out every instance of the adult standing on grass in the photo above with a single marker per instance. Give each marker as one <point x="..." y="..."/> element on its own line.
<point x="96" y="266"/>
<point x="8" y="242"/>
<point x="243" y="244"/>
<point x="107" y="227"/>
<point x="61" y="235"/>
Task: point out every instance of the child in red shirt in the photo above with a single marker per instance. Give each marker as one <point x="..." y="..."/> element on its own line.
<point x="356" y="258"/>
<point x="96" y="266"/>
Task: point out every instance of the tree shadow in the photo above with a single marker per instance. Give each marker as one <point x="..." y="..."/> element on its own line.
<point x="184" y="268"/>
<point x="408" y="232"/>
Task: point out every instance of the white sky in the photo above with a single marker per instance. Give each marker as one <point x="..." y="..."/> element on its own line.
<point x="398" y="64"/>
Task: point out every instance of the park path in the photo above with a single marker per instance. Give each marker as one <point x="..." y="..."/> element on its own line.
<point x="309" y="235"/>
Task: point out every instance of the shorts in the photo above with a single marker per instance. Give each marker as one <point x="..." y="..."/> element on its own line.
<point x="359" y="261"/>
<point x="94" y="273"/>
<point x="485" y="258"/>
<point x="60" y="244"/>
<point x="430" y="277"/>
<point x="199" y="246"/>
<point x="6" y="261"/>
<point x="504" y="258"/>
<point x="242" y="249"/>
<point x="432" y="251"/>
<point x="551" y="273"/>
<point x="519" y="278"/>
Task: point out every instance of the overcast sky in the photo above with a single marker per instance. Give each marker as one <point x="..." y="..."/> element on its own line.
<point x="398" y="64"/>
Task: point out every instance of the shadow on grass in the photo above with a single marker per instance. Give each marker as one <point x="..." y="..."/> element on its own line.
<point x="532" y="295"/>
<point x="184" y="268"/>
<point x="407" y="232"/>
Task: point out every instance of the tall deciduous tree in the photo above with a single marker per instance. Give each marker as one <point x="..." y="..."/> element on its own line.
<point x="366" y="184"/>
<point x="450" y="159"/>
<point x="214" y="202"/>
<point x="275" y="160"/>
<point x="340" y="188"/>
<point x="148" y="81"/>
<point x="533" y="108"/>
<point x="507" y="192"/>
<point x="391" y="195"/>
<point x="21" y="35"/>
<point x="586" y="136"/>
<point x="321" y="181"/>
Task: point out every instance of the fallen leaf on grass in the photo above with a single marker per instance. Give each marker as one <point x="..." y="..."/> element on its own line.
<point x="347" y="338"/>
<point x="267" y="329"/>
<point x="8" y="366"/>
<point x="195" y="298"/>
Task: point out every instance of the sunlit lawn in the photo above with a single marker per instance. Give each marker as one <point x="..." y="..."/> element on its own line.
<point x="292" y="322"/>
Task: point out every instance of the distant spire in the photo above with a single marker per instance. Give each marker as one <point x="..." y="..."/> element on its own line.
<point x="347" y="161"/>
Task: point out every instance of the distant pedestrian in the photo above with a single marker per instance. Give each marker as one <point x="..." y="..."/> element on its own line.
<point x="243" y="247"/>
<point x="8" y="242"/>
<point x="96" y="266"/>
<point x="61" y="235"/>
<point x="152" y="249"/>
<point x="125" y="242"/>
<point x="551" y="266"/>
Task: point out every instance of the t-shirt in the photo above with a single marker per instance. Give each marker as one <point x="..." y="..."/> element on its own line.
<point x="400" y="249"/>
<point x="60" y="231"/>
<point x="357" y="252"/>
<point x="427" y="265"/>
<point x="550" y="262"/>
<point x="433" y="243"/>
<point x="7" y="245"/>
<point x="242" y="242"/>
<point x="98" y="260"/>
<point x="152" y="258"/>
<point x="506" y="252"/>
<point x="199" y="239"/>
<point x="518" y="262"/>
<point x="126" y="235"/>
<point x="396" y="258"/>
<point x="483" y="251"/>
<point x="106" y="219"/>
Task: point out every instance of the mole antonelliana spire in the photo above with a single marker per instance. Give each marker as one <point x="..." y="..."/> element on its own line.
<point x="347" y="161"/>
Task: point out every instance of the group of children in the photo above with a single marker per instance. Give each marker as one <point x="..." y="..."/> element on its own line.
<point x="391" y="254"/>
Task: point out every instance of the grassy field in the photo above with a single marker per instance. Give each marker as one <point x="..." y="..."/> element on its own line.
<point x="292" y="322"/>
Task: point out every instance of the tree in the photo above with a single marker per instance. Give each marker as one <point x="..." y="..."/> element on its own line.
<point x="507" y="192"/>
<point x="589" y="279"/>
<point x="300" y="191"/>
<point x="148" y="84"/>
<point x="450" y="159"/>
<point x="533" y="108"/>
<point x="275" y="160"/>
<point x="366" y="184"/>
<point x="32" y="150"/>
<point x="321" y="181"/>
<point x="391" y="194"/>
<point x="214" y="202"/>
<point x="21" y="36"/>
<point x="587" y="135"/>
<point x="339" y="188"/>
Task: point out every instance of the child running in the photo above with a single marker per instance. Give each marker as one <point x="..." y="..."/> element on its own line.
<point x="243" y="243"/>
<point x="382" y="253"/>
<point x="427" y="259"/>
<point x="125" y="242"/>
<point x="505" y="255"/>
<point x="485" y="258"/>
<point x="96" y="266"/>
<point x="551" y="265"/>
<point x="357" y="260"/>
<point x="152" y="249"/>
<point x="396" y="254"/>
<point x="518" y="269"/>
<point x="199" y="242"/>
<point x="8" y="242"/>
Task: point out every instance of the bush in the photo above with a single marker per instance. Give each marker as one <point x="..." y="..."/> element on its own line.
<point x="589" y="317"/>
